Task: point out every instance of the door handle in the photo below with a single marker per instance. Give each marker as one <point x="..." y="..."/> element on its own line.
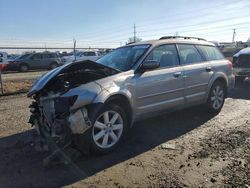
<point x="209" y="69"/>
<point x="177" y="74"/>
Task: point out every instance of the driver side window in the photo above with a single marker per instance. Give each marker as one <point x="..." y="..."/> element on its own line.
<point x="166" y="55"/>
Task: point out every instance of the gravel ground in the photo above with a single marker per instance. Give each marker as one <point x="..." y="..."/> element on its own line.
<point x="188" y="148"/>
<point x="22" y="75"/>
<point x="16" y="82"/>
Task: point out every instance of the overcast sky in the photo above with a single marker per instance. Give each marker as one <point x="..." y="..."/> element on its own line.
<point x="109" y="23"/>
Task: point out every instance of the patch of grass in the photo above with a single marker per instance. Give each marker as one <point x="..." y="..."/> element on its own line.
<point x="17" y="86"/>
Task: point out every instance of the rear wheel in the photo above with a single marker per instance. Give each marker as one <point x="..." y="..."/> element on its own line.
<point x="23" y="68"/>
<point x="216" y="97"/>
<point x="109" y="128"/>
<point x="53" y="66"/>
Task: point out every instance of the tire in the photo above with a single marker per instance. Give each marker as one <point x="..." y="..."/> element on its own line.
<point x="23" y="68"/>
<point x="105" y="136"/>
<point x="53" y="66"/>
<point x="216" y="97"/>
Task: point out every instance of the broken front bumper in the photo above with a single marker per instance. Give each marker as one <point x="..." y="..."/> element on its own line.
<point x="49" y="123"/>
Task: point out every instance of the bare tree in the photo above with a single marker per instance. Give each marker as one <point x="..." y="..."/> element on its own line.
<point x="131" y="39"/>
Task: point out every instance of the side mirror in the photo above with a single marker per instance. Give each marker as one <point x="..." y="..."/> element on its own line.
<point x="150" y="65"/>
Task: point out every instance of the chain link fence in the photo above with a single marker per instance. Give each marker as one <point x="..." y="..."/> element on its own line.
<point x="16" y="77"/>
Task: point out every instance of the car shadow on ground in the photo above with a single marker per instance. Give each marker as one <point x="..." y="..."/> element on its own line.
<point x="21" y="165"/>
<point x="241" y="90"/>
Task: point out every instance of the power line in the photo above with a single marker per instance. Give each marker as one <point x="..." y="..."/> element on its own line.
<point x="112" y="30"/>
<point x="195" y="25"/>
<point x="185" y="15"/>
<point x="134" y="33"/>
<point x="234" y="33"/>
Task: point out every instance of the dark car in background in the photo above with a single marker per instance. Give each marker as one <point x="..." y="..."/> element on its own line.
<point x="34" y="61"/>
<point x="241" y="64"/>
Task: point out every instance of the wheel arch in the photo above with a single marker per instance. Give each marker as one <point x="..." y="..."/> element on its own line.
<point x="22" y="64"/>
<point x="124" y="103"/>
<point x="54" y="62"/>
<point x="219" y="77"/>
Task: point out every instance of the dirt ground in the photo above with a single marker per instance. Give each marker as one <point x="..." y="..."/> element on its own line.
<point x="188" y="148"/>
<point x="17" y="86"/>
<point x="16" y="82"/>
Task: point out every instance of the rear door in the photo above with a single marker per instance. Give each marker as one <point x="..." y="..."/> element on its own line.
<point x="162" y="88"/>
<point x="197" y="73"/>
<point x="35" y="61"/>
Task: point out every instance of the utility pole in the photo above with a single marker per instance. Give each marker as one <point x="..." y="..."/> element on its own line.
<point x="134" y="33"/>
<point x="234" y="33"/>
<point x="74" y="41"/>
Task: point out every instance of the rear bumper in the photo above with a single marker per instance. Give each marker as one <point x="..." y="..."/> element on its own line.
<point x="242" y="72"/>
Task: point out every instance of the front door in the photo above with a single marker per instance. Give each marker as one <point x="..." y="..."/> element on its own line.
<point x="162" y="88"/>
<point x="35" y="61"/>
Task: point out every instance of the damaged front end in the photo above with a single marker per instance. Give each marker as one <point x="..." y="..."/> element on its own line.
<point x="62" y="98"/>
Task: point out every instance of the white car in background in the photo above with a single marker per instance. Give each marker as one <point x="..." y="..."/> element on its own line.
<point x="87" y="55"/>
<point x="3" y="60"/>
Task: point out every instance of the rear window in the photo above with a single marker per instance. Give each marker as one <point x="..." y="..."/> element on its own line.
<point x="242" y="61"/>
<point x="210" y="53"/>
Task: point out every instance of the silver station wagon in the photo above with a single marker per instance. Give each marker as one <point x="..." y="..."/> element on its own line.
<point x="93" y="104"/>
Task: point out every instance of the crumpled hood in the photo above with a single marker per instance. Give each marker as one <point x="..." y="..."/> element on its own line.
<point x="41" y="82"/>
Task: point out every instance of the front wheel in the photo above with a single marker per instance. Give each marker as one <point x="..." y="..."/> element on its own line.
<point x="109" y="128"/>
<point x="23" y="68"/>
<point x="53" y="66"/>
<point x="216" y="97"/>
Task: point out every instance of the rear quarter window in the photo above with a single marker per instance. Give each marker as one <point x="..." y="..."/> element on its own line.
<point x="210" y="53"/>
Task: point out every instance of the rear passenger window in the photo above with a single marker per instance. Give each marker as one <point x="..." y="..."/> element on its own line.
<point x="210" y="52"/>
<point x="166" y="55"/>
<point x="189" y="54"/>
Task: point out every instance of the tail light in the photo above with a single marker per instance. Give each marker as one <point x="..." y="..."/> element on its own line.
<point x="230" y="64"/>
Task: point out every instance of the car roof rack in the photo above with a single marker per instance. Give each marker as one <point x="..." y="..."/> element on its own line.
<point x="183" y="37"/>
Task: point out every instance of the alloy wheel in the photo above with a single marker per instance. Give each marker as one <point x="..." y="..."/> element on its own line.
<point x="217" y="97"/>
<point x="107" y="129"/>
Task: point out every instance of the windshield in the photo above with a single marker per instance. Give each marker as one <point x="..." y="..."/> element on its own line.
<point x="123" y="58"/>
<point x="22" y="56"/>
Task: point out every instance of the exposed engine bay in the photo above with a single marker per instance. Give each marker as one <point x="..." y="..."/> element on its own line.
<point x="52" y="114"/>
<point x="76" y="75"/>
